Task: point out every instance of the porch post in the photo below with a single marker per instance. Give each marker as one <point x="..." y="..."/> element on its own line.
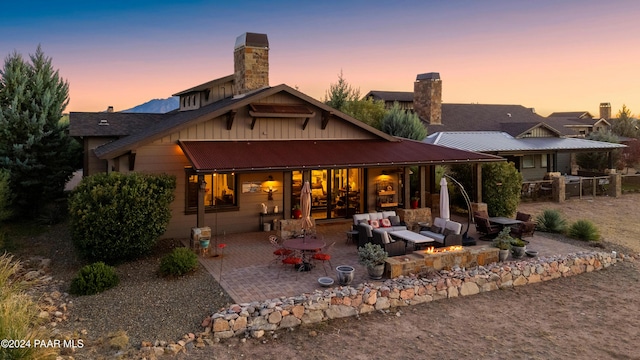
<point x="406" y="187"/>
<point x="201" y="192"/>
<point x="478" y="183"/>
<point x="423" y="185"/>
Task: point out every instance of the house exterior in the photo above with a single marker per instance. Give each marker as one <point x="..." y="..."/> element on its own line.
<point x="237" y="145"/>
<point x="536" y="145"/>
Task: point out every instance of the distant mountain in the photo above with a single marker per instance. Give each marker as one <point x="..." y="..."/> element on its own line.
<point x="156" y="106"/>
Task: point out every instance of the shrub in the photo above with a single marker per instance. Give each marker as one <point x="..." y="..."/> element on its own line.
<point x="504" y="240"/>
<point x="179" y="262"/>
<point x="93" y="279"/>
<point x="115" y="217"/>
<point x="19" y="315"/>
<point x="584" y="230"/>
<point x="551" y="221"/>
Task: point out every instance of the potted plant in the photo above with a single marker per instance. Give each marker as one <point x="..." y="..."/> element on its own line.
<point x="518" y="247"/>
<point x="296" y="212"/>
<point x="372" y="256"/>
<point x="503" y="242"/>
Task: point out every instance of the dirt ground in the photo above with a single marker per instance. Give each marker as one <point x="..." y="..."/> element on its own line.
<point x="589" y="316"/>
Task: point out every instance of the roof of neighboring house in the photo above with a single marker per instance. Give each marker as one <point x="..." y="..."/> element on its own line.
<point x="182" y="119"/>
<point x="402" y="96"/>
<point x="206" y="85"/>
<point x="572" y="114"/>
<point x="111" y="123"/>
<point x="501" y="142"/>
<point x="295" y="154"/>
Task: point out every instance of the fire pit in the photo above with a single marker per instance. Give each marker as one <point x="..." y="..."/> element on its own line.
<point x="439" y="259"/>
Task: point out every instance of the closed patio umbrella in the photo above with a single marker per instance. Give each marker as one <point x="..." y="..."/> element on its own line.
<point x="305" y="206"/>
<point x="444" y="200"/>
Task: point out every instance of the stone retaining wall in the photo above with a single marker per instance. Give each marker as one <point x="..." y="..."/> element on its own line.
<point x="257" y="317"/>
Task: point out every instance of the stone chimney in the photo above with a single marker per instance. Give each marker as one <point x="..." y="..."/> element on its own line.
<point x="427" y="98"/>
<point x="110" y="109"/>
<point x="251" y="62"/>
<point x="605" y="110"/>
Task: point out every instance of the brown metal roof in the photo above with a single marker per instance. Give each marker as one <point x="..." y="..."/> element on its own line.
<point x="221" y="156"/>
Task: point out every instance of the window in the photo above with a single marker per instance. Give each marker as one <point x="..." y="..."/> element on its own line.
<point x="219" y="190"/>
<point x="543" y="160"/>
<point x="528" y="161"/>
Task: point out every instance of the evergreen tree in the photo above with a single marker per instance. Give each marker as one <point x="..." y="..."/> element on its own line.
<point x="599" y="160"/>
<point x="340" y="93"/>
<point x="34" y="147"/>
<point x="399" y="122"/>
<point x="624" y="125"/>
<point x="368" y="111"/>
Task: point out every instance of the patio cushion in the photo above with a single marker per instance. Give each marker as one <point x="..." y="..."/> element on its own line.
<point x="387" y="214"/>
<point x="395" y="220"/>
<point x="440" y="222"/>
<point x="453" y="226"/>
<point x="375" y="216"/>
<point x="374" y="223"/>
<point x="386" y="239"/>
<point x="385" y="223"/>
<point x="359" y="217"/>
<point x="435" y="229"/>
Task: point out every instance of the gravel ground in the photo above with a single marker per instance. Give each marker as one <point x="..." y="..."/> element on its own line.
<point x="148" y="307"/>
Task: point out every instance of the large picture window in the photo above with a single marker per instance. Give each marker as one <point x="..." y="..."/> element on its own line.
<point x="220" y="190"/>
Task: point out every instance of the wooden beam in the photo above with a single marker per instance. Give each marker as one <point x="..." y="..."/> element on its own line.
<point x="253" y="122"/>
<point x="325" y="119"/>
<point x="230" y="117"/>
<point x="306" y="121"/>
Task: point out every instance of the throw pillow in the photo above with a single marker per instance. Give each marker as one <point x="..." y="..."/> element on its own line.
<point x="374" y="224"/>
<point x="363" y="221"/>
<point x="385" y="238"/>
<point x="385" y="223"/>
<point x="435" y="229"/>
<point x="395" y="220"/>
<point x="448" y="232"/>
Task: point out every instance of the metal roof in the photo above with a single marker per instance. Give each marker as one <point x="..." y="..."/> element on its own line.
<point x="221" y="156"/>
<point x="498" y="141"/>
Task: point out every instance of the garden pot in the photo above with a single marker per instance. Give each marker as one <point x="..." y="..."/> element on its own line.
<point x="504" y="254"/>
<point x="296" y="213"/>
<point x="415" y="204"/>
<point x="375" y="272"/>
<point x="345" y="274"/>
<point x="204" y="244"/>
<point x="518" y="251"/>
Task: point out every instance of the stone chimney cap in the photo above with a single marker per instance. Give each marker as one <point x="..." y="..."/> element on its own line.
<point x="428" y="76"/>
<point x="253" y="40"/>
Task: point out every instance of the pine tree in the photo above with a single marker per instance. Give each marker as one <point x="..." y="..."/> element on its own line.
<point x="625" y="125"/>
<point x="34" y="147"/>
<point x="399" y="122"/>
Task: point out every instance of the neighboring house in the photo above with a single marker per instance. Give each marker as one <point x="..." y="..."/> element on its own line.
<point x="503" y="130"/>
<point x="581" y="123"/>
<point x="237" y="143"/>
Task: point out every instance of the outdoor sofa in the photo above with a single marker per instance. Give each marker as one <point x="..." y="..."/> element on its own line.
<point x="444" y="232"/>
<point x="384" y="221"/>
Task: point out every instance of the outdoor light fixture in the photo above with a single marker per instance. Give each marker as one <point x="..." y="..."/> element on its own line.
<point x="269" y="187"/>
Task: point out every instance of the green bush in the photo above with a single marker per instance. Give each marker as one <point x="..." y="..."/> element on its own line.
<point x="93" y="279"/>
<point x="115" y="217"/>
<point x="551" y="221"/>
<point x="179" y="262"/>
<point x="584" y="230"/>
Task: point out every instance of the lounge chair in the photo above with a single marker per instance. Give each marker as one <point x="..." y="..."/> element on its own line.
<point x="486" y="229"/>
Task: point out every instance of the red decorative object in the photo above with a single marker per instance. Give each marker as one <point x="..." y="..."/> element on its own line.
<point x="296" y="213"/>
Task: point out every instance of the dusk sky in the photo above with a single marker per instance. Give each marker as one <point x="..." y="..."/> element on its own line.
<point x="550" y="55"/>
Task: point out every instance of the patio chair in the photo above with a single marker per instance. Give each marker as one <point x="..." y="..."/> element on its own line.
<point x="486" y="229"/>
<point x="526" y="228"/>
<point x="393" y="248"/>
<point x="324" y="255"/>
<point x="280" y="252"/>
<point x="294" y="259"/>
<point x="523" y="216"/>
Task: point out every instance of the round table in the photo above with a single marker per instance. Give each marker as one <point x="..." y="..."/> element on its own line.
<point x="306" y="246"/>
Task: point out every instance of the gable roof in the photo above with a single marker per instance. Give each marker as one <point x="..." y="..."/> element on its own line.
<point x="207" y="85"/>
<point x="572" y="114"/>
<point x="401" y="96"/>
<point x="501" y="142"/>
<point x="180" y="120"/>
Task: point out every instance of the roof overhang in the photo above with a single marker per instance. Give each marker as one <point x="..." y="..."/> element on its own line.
<point x="247" y="156"/>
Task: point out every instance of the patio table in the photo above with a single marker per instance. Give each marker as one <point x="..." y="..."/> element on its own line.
<point x="412" y="237"/>
<point x="503" y="221"/>
<point x="306" y="246"/>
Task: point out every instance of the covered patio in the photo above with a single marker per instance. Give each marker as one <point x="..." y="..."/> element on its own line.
<point x="246" y="271"/>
